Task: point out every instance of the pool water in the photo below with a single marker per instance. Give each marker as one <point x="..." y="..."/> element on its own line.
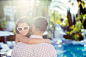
<point x="70" y="50"/>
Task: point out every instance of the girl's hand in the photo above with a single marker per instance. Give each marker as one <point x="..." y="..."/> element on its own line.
<point x="47" y="41"/>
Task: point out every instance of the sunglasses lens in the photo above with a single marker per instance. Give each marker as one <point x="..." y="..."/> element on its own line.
<point x="26" y="28"/>
<point x="19" y="29"/>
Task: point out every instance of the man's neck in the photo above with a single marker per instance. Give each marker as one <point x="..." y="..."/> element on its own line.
<point x="37" y="34"/>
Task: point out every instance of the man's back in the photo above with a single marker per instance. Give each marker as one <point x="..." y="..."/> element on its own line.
<point x="34" y="50"/>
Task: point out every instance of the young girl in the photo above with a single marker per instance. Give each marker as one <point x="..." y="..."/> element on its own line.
<point x="23" y="32"/>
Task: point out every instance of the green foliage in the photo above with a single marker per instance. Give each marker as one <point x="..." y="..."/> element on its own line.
<point x="84" y="16"/>
<point x="77" y="27"/>
<point x="65" y="22"/>
<point x="76" y="30"/>
<point x="81" y="17"/>
<point x="54" y="19"/>
<point x="3" y="23"/>
<point x="14" y="31"/>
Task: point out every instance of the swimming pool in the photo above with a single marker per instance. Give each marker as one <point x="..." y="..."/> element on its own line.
<point x="70" y="50"/>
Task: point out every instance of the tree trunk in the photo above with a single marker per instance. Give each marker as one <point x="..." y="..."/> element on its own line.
<point x="69" y="19"/>
<point x="53" y="33"/>
<point x="1" y="9"/>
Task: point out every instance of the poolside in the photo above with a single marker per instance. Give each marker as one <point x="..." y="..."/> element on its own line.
<point x="70" y="49"/>
<point x="63" y="49"/>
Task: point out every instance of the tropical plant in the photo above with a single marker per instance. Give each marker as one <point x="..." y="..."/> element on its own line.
<point x="65" y="22"/>
<point x="54" y="19"/>
<point x="3" y="23"/>
<point x="81" y="18"/>
<point x="76" y="29"/>
<point x="80" y="4"/>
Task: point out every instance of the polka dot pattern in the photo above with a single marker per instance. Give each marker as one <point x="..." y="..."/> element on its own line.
<point x="33" y="50"/>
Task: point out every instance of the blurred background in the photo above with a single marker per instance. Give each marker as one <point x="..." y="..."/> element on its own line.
<point x="66" y="28"/>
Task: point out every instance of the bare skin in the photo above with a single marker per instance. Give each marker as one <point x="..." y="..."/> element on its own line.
<point x="20" y="38"/>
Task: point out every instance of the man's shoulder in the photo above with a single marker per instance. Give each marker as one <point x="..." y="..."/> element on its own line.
<point x="20" y="44"/>
<point x="36" y="45"/>
<point x="46" y="45"/>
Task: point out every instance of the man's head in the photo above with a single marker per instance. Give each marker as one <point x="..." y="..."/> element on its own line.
<point x="40" y="25"/>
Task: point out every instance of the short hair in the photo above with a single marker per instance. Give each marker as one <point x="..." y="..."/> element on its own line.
<point x="41" y="24"/>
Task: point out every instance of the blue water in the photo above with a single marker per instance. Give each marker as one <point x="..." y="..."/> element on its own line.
<point x="71" y="50"/>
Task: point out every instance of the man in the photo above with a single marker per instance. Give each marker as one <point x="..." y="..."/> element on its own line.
<point x="35" y="50"/>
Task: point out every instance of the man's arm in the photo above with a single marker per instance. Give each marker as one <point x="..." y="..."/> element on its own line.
<point x="30" y="41"/>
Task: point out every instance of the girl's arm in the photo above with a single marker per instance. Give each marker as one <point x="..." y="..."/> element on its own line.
<point x="16" y="41"/>
<point x="30" y="41"/>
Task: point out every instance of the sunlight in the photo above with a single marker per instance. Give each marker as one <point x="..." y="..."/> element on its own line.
<point x="24" y="6"/>
<point x="84" y="45"/>
<point x="59" y="45"/>
<point x="59" y="41"/>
